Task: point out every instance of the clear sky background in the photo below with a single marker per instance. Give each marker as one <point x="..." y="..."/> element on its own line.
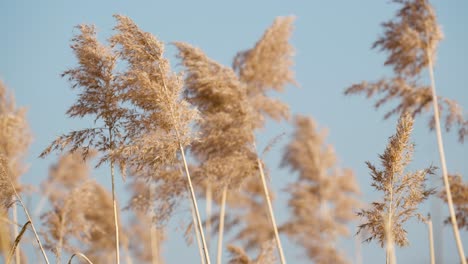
<point x="332" y="41"/>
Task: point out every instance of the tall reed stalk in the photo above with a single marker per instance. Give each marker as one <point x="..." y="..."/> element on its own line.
<point x="15" y="232"/>
<point x="431" y="238"/>
<point x="221" y="225"/>
<point x="440" y="145"/>
<point x="271" y="213"/>
<point x="36" y="236"/>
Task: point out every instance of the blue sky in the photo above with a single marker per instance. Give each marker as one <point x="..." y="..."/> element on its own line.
<point x="332" y="41"/>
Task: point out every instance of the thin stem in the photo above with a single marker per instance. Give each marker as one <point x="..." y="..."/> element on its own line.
<point x="270" y="210"/>
<point x="62" y="223"/>
<point x="209" y="203"/>
<point x="114" y="202"/>
<point x="389" y="247"/>
<point x="221" y="225"/>
<point x="194" y="202"/>
<point x="431" y="239"/>
<point x="30" y="220"/>
<point x="153" y="234"/>
<point x="440" y="144"/>
<point x="15" y="232"/>
<point x="197" y="235"/>
<point x="192" y="192"/>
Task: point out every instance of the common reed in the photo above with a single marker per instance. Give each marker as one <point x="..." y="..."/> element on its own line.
<point x="402" y="191"/>
<point x="161" y="132"/>
<point x="9" y="187"/>
<point x="99" y="98"/>
<point x="224" y="151"/>
<point x="265" y="256"/>
<point x="459" y="190"/>
<point x="323" y="198"/>
<point x="263" y="68"/>
<point x="15" y="138"/>
<point x="411" y="41"/>
<point x="81" y="210"/>
<point x="68" y="220"/>
<point x="267" y="67"/>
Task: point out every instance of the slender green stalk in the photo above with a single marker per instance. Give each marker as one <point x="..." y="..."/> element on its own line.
<point x="440" y="145"/>
<point x="270" y="211"/>
<point x="221" y="225"/>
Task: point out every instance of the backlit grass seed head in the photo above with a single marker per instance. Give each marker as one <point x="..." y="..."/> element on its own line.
<point x="266" y="67"/>
<point x="98" y="97"/>
<point x="266" y="254"/>
<point x="409" y="40"/>
<point x="459" y="191"/>
<point x="226" y="129"/>
<point x="410" y="36"/>
<point x="323" y="199"/>
<point x="15" y="135"/>
<point x="7" y="192"/>
<point x="83" y="215"/>
<point x="162" y="120"/>
<point x="402" y="191"/>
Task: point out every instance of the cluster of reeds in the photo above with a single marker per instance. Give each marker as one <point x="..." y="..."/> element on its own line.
<point x="192" y="136"/>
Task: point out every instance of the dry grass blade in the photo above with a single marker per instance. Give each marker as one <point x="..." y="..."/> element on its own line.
<point x="81" y="255"/>
<point x="17" y="241"/>
<point x="4" y="177"/>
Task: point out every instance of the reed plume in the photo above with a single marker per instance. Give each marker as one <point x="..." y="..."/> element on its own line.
<point x="15" y="138"/>
<point x="402" y="191"/>
<point x="459" y="191"/>
<point x="267" y="67"/>
<point x="98" y="98"/>
<point x="411" y="41"/>
<point x="145" y="246"/>
<point x="161" y="131"/>
<point x="322" y="199"/>
<point x="263" y="68"/>
<point x="265" y="256"/>
<point x="225" y="152"/>
<point x="84" y="214"/>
